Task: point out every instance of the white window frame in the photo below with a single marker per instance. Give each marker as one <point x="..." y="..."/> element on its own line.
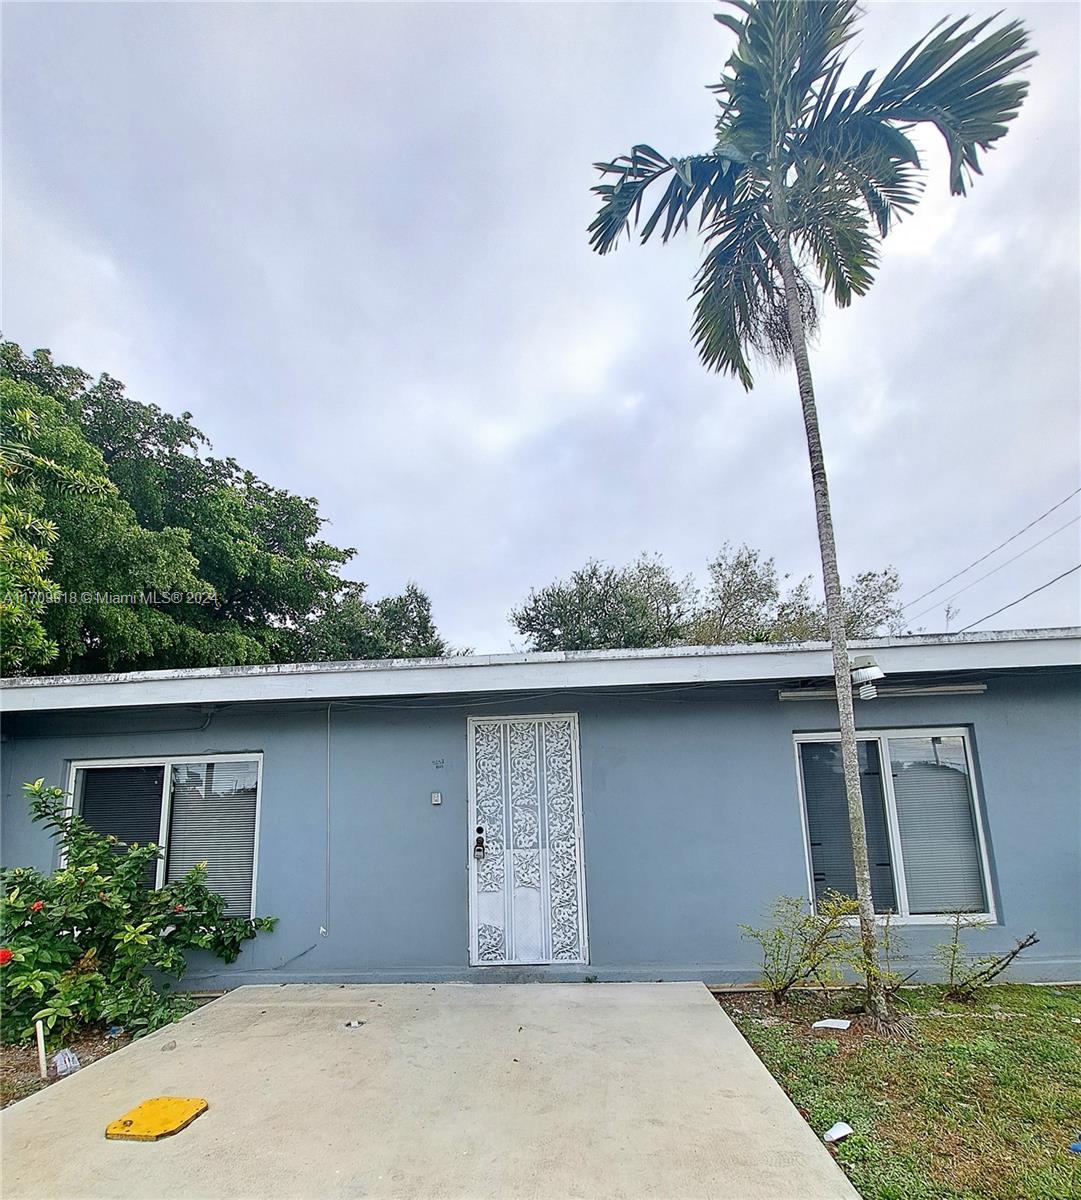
<point x="167" y="762"/>
<point x="893" y="829"/>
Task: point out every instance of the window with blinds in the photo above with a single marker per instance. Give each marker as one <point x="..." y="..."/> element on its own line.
<point x="923" y="833"/>
<point x="209" y="816"/>
<point x="126" y="802"/>
<point x="828" y="829"/>
<point x="936" y="822"/>
<point x="212" y="820"/>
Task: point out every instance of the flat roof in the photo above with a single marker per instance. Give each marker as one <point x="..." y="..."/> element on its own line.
<point x="938" y="654"/>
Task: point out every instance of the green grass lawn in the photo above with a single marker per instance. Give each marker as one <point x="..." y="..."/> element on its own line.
<point x="981" y="1104"/>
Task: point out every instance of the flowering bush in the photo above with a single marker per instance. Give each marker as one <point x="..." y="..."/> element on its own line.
<point x="90" y="942"/>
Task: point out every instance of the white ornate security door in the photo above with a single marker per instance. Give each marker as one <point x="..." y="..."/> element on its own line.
<point x="526" y="886"/>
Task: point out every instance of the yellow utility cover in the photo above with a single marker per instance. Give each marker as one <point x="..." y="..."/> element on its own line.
<point x="157" y="1118"/>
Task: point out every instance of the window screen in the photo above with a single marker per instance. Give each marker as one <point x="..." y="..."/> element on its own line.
<point x="828" y="827"/>
<point x="212" y="819"/>
<point x="939" y="844"/>
<point x="126" y="802"/>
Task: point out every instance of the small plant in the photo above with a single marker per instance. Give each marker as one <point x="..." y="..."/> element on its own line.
<point x="805" y="942"/>
<point x="889" y="949"/>
<point x="87" y="943"/>
<point x="965" y="973"/>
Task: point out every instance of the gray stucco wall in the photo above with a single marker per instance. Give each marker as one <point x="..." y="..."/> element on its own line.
<point x="690" y="810"/>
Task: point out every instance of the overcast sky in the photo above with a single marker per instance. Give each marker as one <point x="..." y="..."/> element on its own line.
<point x="350" y="239"/>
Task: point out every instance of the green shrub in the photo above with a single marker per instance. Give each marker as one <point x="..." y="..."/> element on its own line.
<point x="91" y="942"/>
<point x="889" y="949"/>
<point x="967" y="974"/>
<point x="805" y="943"/>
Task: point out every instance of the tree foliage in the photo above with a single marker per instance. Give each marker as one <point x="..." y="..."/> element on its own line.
<point x="394" y="627"/>
<point x="801" y="159"/>
<point x="747" y="601"/>
<point x="73" y="537"/>
<point x="744" y="600"/>
<point x="25" y="535"/>
<point x="608" y="608"/>
<point x="159" y="553"/>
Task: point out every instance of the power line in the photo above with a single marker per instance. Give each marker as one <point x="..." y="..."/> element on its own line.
<point x="1020" y="598"/>
<point x="988" y="574"/>
<point x="1013" y="537"/>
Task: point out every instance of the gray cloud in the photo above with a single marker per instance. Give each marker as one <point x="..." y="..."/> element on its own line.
<point x="351" y="240"/>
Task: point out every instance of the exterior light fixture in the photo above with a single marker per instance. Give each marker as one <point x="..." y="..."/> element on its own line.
<point x="865" y="674"/>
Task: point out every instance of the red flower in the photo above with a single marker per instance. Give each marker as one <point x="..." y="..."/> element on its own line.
<point x="5" y="956"/>
<point x="37" y="906"/>
<point x="179" y="908"/>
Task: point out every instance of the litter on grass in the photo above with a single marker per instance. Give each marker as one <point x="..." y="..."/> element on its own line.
<point x="836" y="1132"/>
<point x="831" y="1023"/>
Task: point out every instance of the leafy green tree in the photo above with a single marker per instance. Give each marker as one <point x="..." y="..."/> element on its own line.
<point x="97" y="553"/>
<point x="257" y="546"/>
<point x="394" y="627"/>
<point x="871" y="605"/>
<point x="747" y="601"/>
<point x="25" y="535"/>
<point x="608" y="608"/>
<point x="256" y="582"/>
<point x="806" y="176"/>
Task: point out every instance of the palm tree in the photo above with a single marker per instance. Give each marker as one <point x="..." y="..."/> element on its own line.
<point x="804" y="181"/>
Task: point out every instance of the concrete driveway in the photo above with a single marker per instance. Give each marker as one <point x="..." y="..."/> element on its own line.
<point x="531" y="1090"/>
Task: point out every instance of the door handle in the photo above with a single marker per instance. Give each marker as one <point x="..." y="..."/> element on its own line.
<point x="478" y="845"/>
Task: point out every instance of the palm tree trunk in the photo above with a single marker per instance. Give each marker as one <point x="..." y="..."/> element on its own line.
<point x="835" y="615"/>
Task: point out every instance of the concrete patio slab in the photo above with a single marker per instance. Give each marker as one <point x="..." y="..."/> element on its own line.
<point x="530" y="1090"/>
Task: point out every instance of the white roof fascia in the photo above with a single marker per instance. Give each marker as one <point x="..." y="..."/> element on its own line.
<point x="1013" y="650"/>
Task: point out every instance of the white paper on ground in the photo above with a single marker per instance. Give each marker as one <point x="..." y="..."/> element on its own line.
<point x="836" y="1132"/>
<point x="831" y="1023"/>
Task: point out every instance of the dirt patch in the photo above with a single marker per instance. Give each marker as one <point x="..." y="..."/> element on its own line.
<point x="798" y="1015"/>
<point x="19" y="1076"/>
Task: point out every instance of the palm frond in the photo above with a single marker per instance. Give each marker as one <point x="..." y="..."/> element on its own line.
<point x="740" y="298"/>
<point x="821" y="30"/>
<point x="969" y="92"/>
<point x="889" y="193"/>
<point x="705" y="181"/>
<point x="621" y="201"/>
<point x="785" y="54"/>
<point x="834" y="230"/>
<point x="876" y="160"/>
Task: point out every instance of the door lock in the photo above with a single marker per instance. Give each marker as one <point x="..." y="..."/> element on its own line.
<point x="478" y="845"/>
